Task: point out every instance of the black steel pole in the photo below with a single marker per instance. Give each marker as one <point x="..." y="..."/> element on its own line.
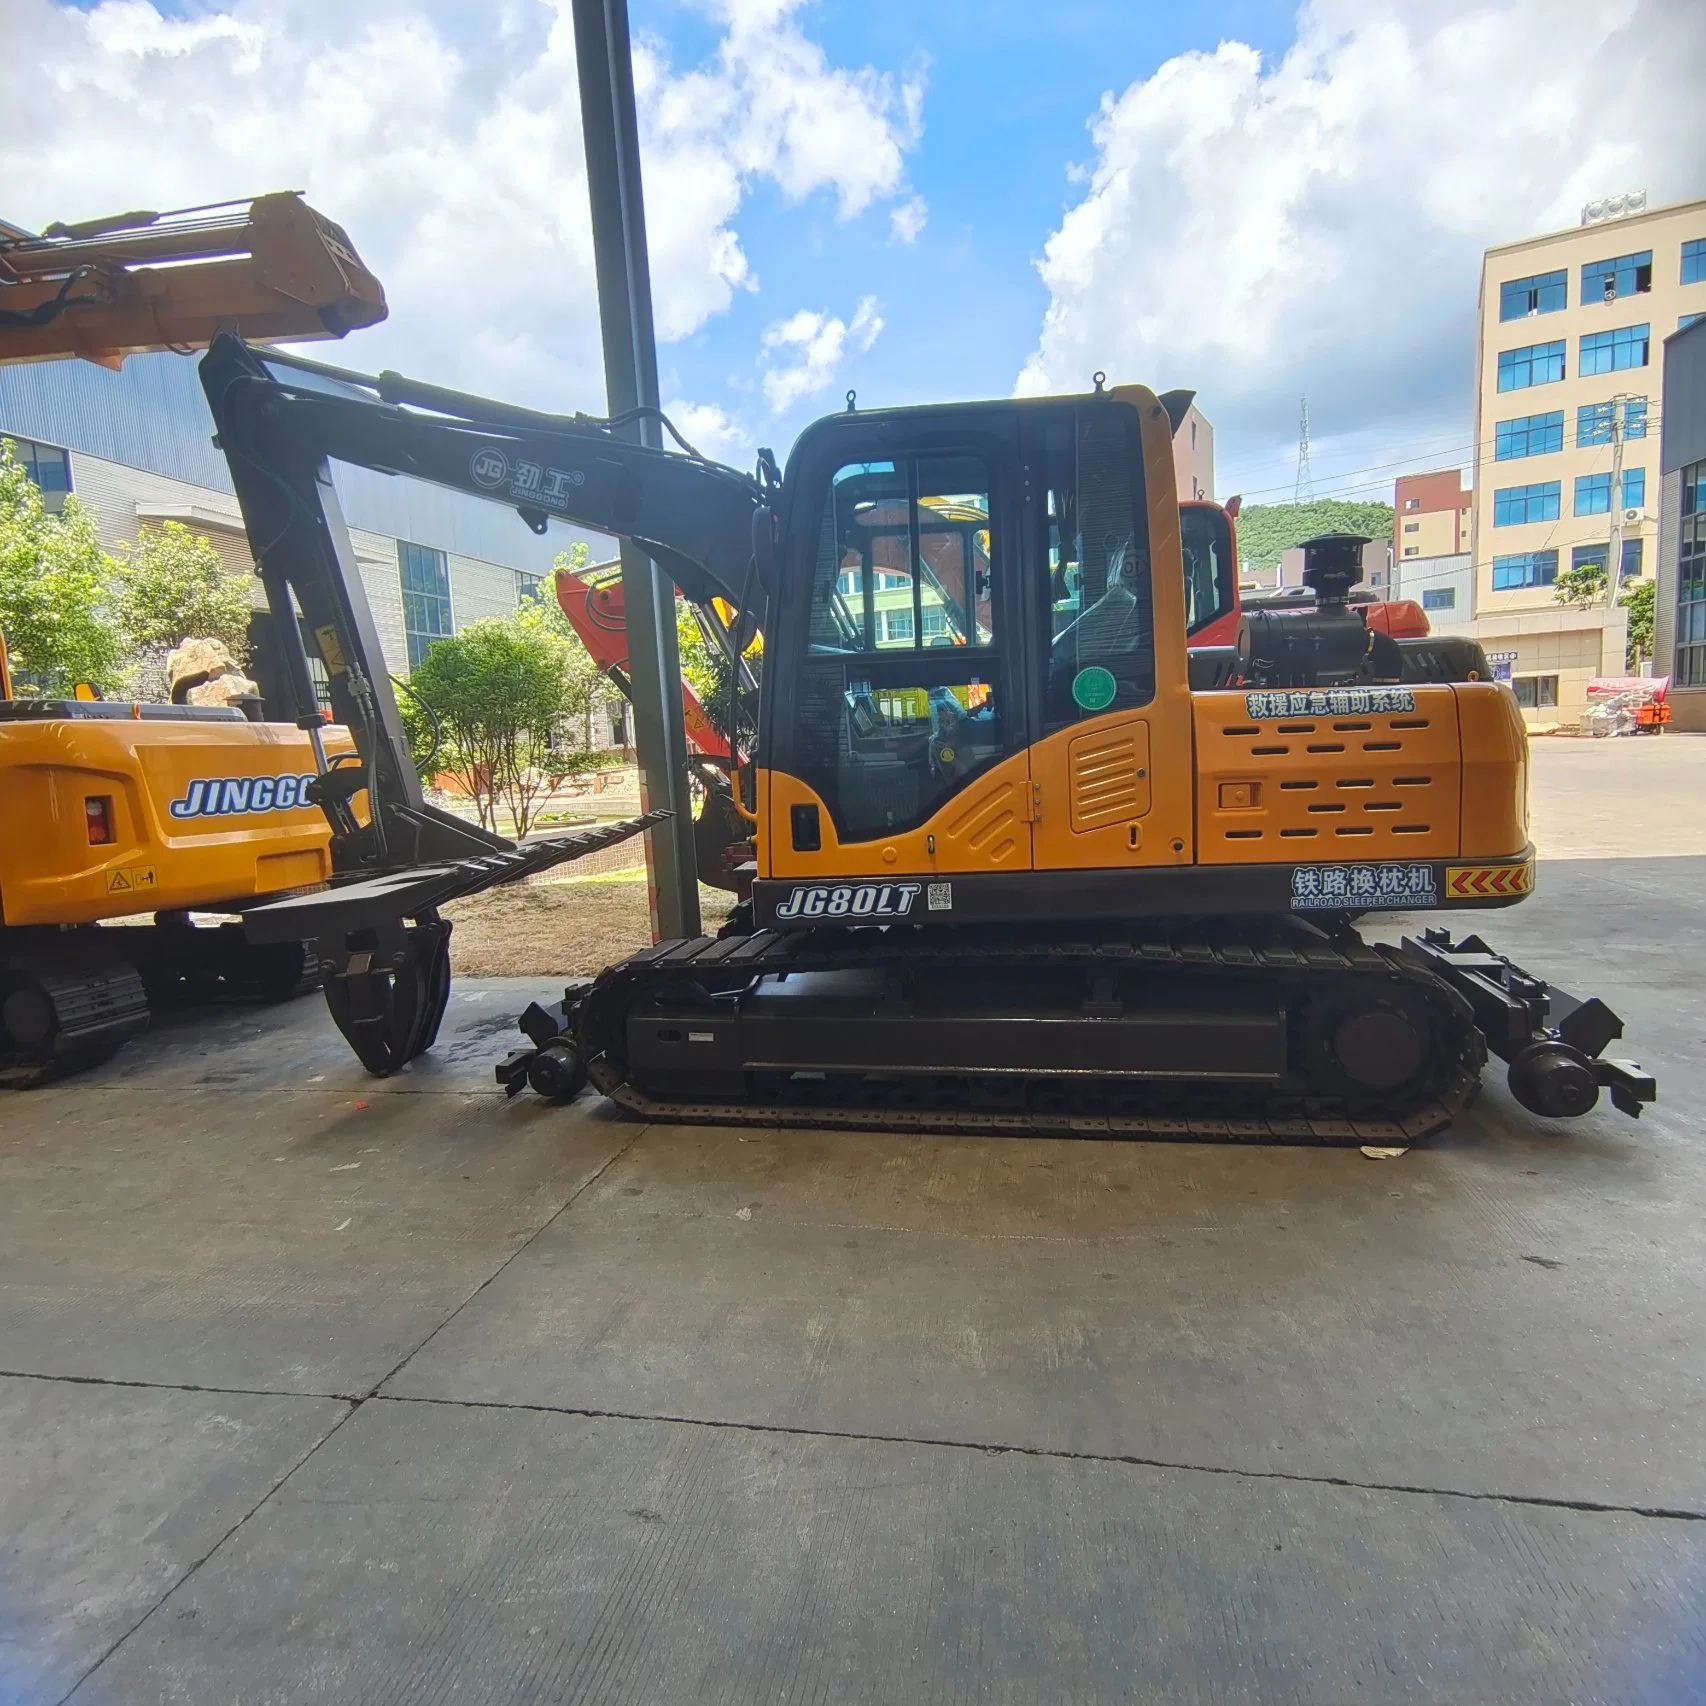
<point x="605" y="64"/>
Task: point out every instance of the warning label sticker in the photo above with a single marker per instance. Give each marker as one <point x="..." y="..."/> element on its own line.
<point x="131" y="879"/>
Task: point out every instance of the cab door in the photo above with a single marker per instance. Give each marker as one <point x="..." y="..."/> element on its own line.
<point x="1111" y="764"/>
<point x="898" y="723"/>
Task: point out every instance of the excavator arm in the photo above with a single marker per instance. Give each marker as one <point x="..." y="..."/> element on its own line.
<point x="281" y="421"/>
<point x="272" y="268"/>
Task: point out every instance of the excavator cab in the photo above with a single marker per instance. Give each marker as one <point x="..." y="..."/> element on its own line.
<point x="964" y="587"/>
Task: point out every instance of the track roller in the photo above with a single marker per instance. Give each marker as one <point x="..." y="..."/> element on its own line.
<point x="68" y="1001"/>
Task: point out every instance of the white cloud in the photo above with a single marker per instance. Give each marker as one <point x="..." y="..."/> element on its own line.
<point x="812" y="346"/>
<point x="448" y="144"/>
<point x="1315" y="225"/>
<point x="710" y="430"/>
<point x="908" y="220"/>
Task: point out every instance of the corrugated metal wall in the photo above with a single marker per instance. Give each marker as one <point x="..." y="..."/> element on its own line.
<point x="1683" y="407"/>
<point x="152" y="416"/>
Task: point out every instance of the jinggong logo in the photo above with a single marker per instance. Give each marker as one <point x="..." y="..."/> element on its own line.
<point x="242" y="796"/>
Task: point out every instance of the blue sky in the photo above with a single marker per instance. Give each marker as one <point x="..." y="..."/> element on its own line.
<point x="1010" y="91"/>
<point x="1256" y="200"/>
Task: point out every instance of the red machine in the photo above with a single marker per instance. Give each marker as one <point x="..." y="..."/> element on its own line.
<point x="593" y="603"/>
<point x="1214" y="603"/>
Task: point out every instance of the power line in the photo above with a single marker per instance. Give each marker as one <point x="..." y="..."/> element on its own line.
<point x="1477" y="453"/>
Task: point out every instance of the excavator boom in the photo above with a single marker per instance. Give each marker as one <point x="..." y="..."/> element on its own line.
<point x="271" y="268"/>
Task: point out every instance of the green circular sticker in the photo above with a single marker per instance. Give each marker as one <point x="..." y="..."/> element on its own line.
<point x="1094" y="688"/>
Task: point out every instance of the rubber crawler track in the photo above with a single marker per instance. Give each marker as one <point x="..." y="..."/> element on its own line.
<point x="1300" y="960"/>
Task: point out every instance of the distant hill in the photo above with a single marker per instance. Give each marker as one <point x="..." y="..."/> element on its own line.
<point x="1267" y="531"/>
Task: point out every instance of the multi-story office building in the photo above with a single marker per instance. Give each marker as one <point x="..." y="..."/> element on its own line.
<point x="1431" y="515"/>
<point x="1679" y="607"/>
<point x="1566" y="420"/>
<point x="1432" y="524"/>
<point x="136" y="448"/>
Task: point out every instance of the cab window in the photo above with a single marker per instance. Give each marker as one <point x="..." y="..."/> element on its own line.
<point x="901" y="695"/>
<point x="912" y="557"/>
<point x="1206" y="540"/>
<point x="1101" y="654"/>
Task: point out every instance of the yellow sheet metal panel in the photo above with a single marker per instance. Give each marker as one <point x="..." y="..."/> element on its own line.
<point x="981" y="828"/>
<point x="200" y="813"/>
<point x="1495" y="770"/>
<point x="1337" y="780"/>
<point x="1108" y="775"/>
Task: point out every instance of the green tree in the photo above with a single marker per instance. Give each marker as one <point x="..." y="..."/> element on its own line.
<point x="499" y="691"/>
<point x="53" y="574"/>
<point x="171" y="586"/>
<point x="1638" y="601"/>
<point x="1267" y="531"/>
<point x="1581" y="583"/>
<point x="706" y="668"/>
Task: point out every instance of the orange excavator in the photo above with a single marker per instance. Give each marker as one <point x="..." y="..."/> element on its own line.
<point x="592" y="601"/>
<point x="141" y="810"/>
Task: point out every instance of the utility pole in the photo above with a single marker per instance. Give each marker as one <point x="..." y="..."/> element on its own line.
<point x="605" y="65"/>
<point x="1614" y="568"/>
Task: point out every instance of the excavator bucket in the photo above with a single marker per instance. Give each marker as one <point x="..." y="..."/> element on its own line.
<point x="108" y="288"/>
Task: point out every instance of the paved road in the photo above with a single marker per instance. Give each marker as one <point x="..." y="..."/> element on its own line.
<point x="321" y="1389"/>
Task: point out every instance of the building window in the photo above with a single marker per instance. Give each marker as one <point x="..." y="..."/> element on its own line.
<point x="1687" y="320"/>
<point x="1542" y="294"/>
<point x="1694" y="262"/>
<point x="1593" y="494"/>
<point x="1627" y="275"/>
<point x="1535" y="692"/>
<point x="1691" y="580"/>
<point x="526" y="587"/>
<point x="1611" y="352"/>
<point x="1634" y="417"/>
<point x="1525" y="568"/>
<point x="1634" y="489"/>
<point x="1528" y="435"/>
<point x="47" y="466"/>
<point x="1514" y="505"/>
<point x="1412" y="503"/>
<point x="1412" y="527"/>
<point x="895" y="626"/>
<point x="426" y="598"/>
<point x="1593" y="424"/>
<point x="1538" y="364"/>
<point x="1412" y="550"/>
<point x="1632" y="559"/>
<point x="1590" y="557"/>
<point x="1439" y="598"/>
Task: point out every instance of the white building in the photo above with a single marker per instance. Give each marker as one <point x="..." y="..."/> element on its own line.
<point x="136" y="448"/>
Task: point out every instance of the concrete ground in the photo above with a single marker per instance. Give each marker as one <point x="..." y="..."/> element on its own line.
<point x="316" y="1388"/>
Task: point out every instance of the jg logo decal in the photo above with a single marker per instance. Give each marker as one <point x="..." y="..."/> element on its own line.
<point x="489" y="468"/>
<point x="242" y="796"/>
<point x="853" y="900"/>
